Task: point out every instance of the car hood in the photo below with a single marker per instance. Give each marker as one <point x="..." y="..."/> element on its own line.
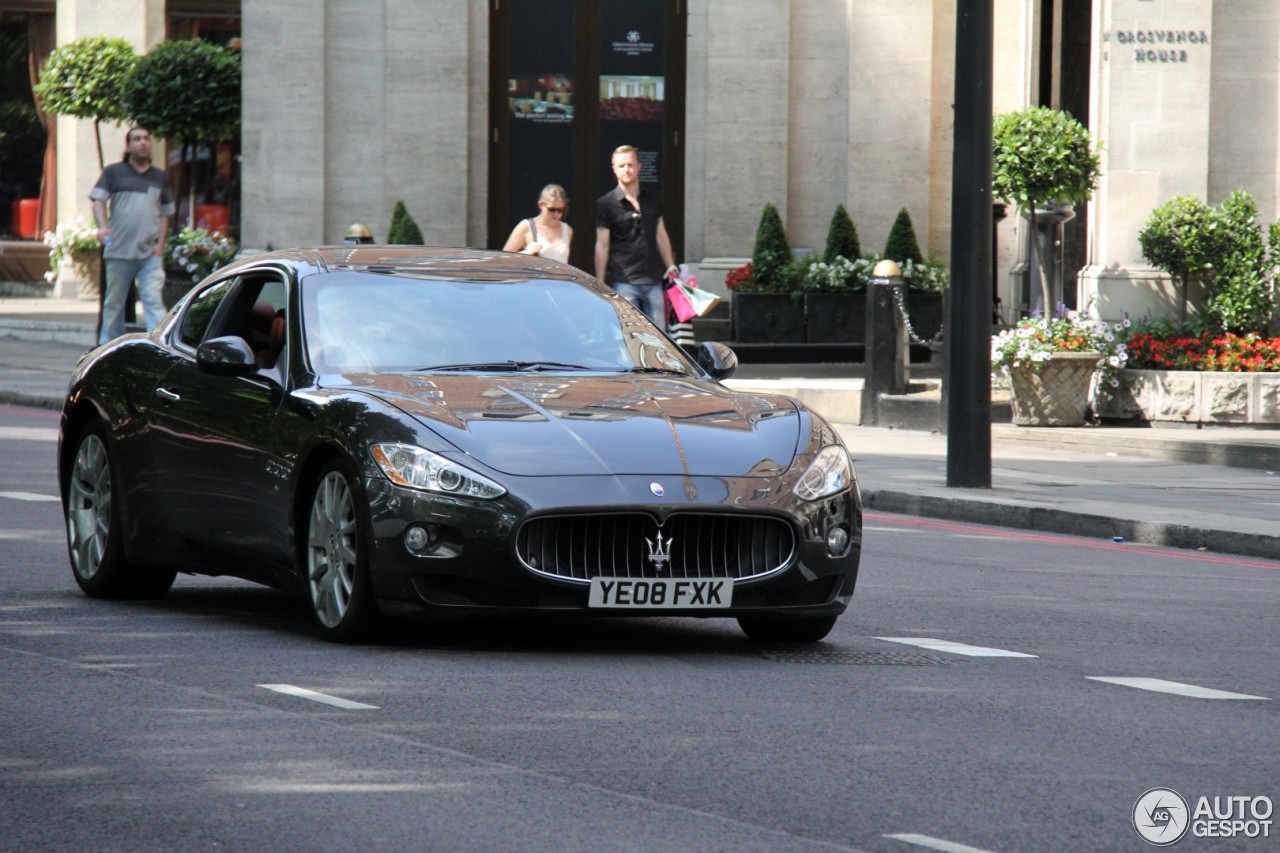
<point x="532" y="425"/>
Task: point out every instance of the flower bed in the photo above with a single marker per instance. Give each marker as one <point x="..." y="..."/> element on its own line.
<point x="1207" y="351"/>
<point x="1207" y="378"/>
<point x="1194" y="397"/>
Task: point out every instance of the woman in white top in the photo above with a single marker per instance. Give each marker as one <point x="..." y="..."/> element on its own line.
<point x="547" y="234"/>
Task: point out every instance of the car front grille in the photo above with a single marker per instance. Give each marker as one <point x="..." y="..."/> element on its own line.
<point x="632" y="545"/>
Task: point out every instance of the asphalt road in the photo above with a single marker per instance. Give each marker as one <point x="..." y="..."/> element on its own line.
<point x="186" y="723"/>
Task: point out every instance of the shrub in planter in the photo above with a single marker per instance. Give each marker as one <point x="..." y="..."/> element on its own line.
<point x="403" y="230"/>
<point x="902" y="245"/>
<point x="771" y="254"/>
<point x="1241" y="295"/>
<point x="1041" y="157"/>
<point x="1225" y="248"/>
<point x="1181" y="238"/>
<point x="84" y="78"/>
<point x="842" y="237"/>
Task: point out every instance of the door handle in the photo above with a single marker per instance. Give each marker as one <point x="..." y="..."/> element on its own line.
<point x="166" y="394"/>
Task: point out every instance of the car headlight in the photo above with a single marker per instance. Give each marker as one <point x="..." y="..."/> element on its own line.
<point x="416" y="468"/>
<point x="829" y="473"/>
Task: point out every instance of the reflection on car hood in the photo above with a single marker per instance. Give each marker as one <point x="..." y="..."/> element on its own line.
<point x="564" y="424"/>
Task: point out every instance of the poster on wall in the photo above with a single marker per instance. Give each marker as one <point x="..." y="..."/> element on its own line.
<point x="540" y="103"/>
<point x="632" y="85"/>
<point x="541" y="98"/>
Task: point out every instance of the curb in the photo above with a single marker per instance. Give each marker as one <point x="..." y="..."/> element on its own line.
<point x="1088" y="525"/>
<point x="44" y="330"/>
<point x="31" y="401"/>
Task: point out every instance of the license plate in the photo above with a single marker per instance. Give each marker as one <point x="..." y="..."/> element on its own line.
<point x="661" y="593"/>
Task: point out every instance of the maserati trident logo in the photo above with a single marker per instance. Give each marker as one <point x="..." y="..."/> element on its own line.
<point x="659" y="552"/>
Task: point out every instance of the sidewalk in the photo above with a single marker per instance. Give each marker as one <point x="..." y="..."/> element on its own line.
<point x="1214" y="489"/>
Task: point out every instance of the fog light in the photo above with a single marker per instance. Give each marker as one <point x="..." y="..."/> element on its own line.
<point x="837" y="540"/>
<point x="421" y="537"/>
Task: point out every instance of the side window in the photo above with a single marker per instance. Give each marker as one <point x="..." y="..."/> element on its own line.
<point x="265" y="327"/>
<point x="200" y="312"/>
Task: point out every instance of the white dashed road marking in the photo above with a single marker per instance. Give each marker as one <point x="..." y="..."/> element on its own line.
<point x="303" y="693"/>
<point x="955" y="648"/>
<point x="935" y="843"/>
<point x="26" y="496"/>
<point x="1161" y="686"/>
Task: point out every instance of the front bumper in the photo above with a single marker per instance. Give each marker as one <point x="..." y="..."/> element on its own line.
<point x="475" y="565"/>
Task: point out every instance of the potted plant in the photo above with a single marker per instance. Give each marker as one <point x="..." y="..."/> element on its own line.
<point x="84" y="79"/>
<point x="191" y="255"/>
<point x="403" y="231"/>
<point x="835" y="300"/>
<point x="1044" y="162"/>
<point x="765" y="309"/>
<point x="188" y="92"/>
<point x="926" y="280"/>
<point x="1222" y="247"/>
<point x="835" y="310"/>
<point x="75" y="258"/>
<point x="1051" y="362"/>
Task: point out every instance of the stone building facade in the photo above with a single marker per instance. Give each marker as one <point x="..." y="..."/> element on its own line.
<point x="350" y="106"/>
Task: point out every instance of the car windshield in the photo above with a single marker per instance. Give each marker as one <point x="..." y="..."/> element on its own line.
<point x="361" y="322"/>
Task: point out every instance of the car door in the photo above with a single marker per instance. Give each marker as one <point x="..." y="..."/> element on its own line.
<point x="214" y="431"/>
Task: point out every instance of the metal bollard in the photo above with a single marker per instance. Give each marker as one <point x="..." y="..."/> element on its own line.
<point x="885" y="350"/>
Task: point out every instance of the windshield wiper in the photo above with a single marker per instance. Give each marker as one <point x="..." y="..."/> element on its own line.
<point x="507" y="366"/>
<point x="666" y="370"/>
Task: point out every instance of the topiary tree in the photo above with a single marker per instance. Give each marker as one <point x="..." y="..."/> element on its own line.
<point x="1241" y="297"/>
<point x="771" y="254"/>
<point x="902" y="245"/>
<point x="187" y="91"/>
<point x="85" y="79"/>
<point x="1224" y="247"/>
<point x="1042" y="156"/>
<point x="403" y="231"/>
<point x="842" y="237"/>
<point x="1179" y="237"/>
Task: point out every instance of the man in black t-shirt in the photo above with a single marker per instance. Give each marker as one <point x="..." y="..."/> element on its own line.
<point x="134" y="235"/>
<point x="632" y="246"/>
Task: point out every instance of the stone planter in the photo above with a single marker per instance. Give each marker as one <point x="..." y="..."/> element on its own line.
<point x="761" y="318"/>
<point x="835" y="318"/>
<point x="1055" y="395"/>
<point x="1194" y="397"/>
<point x="78" y="276"/>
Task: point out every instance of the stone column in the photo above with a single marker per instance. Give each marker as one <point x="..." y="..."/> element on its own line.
<point x="891" y="116"/>
<point x="349" y="108"/>
<point x="1150" y="110"/>
<point x="737" y="155"/>
<point x="78" y="167"/>
<point x="282" y="136"/>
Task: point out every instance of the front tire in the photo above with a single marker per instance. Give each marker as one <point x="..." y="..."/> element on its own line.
<point x="94" y="538"/>
<point x="336" y="558"/>
<point x="779" y="628"/>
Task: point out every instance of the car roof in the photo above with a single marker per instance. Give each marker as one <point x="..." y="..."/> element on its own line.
<point x="417" y="262"/>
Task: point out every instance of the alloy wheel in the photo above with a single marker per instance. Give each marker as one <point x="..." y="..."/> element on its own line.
<point x="89" y="507"/>
<point x="332" y="549"/>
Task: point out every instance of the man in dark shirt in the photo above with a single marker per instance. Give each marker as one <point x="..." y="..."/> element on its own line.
<point x="632" y="246"/>
<point x="134" y="235"/>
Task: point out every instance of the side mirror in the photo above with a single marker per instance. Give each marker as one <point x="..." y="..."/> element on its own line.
<point x="716" y="359"/>
<point x="226" y="356"/>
